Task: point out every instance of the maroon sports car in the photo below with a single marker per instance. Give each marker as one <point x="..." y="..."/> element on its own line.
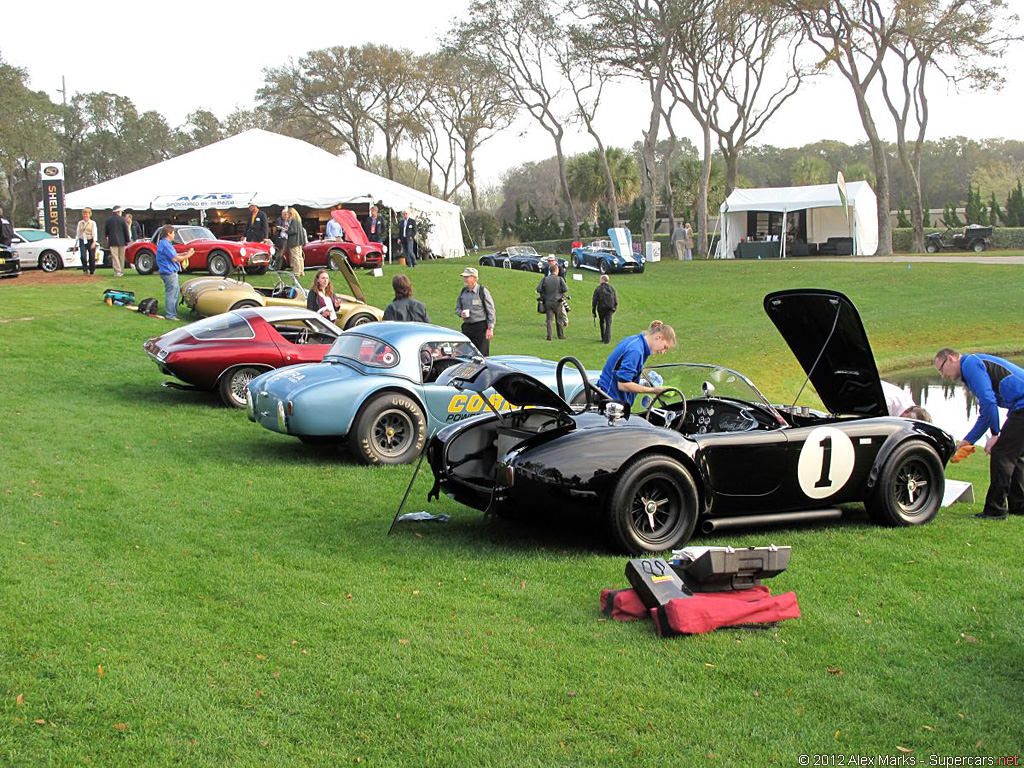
<point x="222" y="353"/>
<point x="359" y="251"/>
<point x="218" y="257"/>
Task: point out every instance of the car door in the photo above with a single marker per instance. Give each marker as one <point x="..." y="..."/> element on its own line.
<point x="27" y="250"/>
<point x="747" y="471"/>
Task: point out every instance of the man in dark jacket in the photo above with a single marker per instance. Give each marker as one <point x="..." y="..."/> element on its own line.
<point x="603" y="306"/>
<point x="372" y="226"/>
<point x="6" y="230"/>
<point x="552" y="290"/>
<point x="407" y="234"/>
<point x="134" y="227"/>
<point x="117" y="235"/>
<point x="257" y="229"/>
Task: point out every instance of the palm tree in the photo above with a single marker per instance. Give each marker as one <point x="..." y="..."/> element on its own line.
<point x="585" y="175"/>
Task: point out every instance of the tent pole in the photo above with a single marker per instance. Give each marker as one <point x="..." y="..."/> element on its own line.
<point x="202" y="217"/>
<point x="782" y="236"/>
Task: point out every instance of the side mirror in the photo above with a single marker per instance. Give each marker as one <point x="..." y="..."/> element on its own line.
<point x="707" y="388"/>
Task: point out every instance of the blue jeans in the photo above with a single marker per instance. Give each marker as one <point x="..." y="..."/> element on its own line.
<point x="172" y="291"/>
<point x="88" y="256"/>
<point x="410" y="252"/>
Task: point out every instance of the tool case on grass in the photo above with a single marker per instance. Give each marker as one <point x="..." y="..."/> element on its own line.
<point x="118" y="297"/>
<point x="721" y="569"/>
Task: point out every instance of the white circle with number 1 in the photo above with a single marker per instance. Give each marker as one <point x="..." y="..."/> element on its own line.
<point x="826" y="462"/>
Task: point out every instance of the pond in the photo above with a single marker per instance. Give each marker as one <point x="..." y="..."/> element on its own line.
<point x="950" y="403"/>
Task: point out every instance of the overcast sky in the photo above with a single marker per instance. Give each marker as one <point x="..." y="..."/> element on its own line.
<point x="177" y="58"/>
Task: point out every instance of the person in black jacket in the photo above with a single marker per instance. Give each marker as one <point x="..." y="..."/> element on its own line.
<point x="552" y="290"/>
<point x="405" y="308"/>
<point x="134" y="227"/>
<point x="407" y="234"/>
<point x="6" y="230"/>
<point x="373" y="226"/>
<point x="257" y="229"/>
<point x="117" y="235"/>
<point x="603" y="305"/>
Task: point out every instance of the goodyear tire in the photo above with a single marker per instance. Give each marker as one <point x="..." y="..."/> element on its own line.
<point x="49" y="261"/>
<point x="653" y="507"/>
<point x="909" y="489"/>
<point x="145" y="262"/>
<point x="360" y="319"/>
<point x="390" y="429"/>
<point x="219" y="264"/>
<point x="234" y="382"/>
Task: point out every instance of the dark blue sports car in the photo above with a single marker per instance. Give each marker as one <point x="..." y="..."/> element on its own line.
<point x="614" y="255"/>
<point x="524" y="257"/>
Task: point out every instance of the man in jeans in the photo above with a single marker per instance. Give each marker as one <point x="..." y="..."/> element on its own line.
<point x="997" y="383"/>
<point x="168" y="264"/>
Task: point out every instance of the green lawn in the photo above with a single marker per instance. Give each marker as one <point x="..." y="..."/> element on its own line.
<point x="180" y="586"/>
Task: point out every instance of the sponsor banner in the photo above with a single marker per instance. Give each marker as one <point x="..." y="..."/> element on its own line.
<point x="52" y="175"/>
<point x="203" y="201"/>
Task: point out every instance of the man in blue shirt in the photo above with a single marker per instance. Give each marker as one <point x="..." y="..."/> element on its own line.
<point x="334" y="229"/>
<point x="997" y="383"/>
<point x="620" y="376"/>
<point x="168" y="264"/>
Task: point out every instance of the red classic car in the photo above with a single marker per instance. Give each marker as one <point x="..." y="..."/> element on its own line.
<point x="224" y="352"/>
<point x="359" y="251"/>
<point x="218" y="257"/>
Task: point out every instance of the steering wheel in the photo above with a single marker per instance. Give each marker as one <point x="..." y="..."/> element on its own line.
<point x="669" y="418"/>
<point x="303" y="337"/>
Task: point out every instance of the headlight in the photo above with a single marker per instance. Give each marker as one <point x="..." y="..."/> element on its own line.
<point x="241" y="251"/>
<point x="359" y="249"/>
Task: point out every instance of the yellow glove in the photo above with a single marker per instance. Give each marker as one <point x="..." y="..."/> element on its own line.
<point x="962" y="453"/>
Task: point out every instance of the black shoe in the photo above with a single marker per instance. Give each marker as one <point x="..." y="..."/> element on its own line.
<point x="987" y="516"/>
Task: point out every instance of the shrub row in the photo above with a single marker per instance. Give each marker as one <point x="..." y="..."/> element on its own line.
<point x="1003" y="238"/>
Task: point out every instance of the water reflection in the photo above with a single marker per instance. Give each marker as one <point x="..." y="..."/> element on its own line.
<point x="950" y="403"/>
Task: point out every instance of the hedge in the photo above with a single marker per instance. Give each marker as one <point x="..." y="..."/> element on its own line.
<point x="1003" y="238"/>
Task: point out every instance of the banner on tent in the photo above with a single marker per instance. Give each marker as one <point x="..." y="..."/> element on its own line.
<point x="203" y="200"/>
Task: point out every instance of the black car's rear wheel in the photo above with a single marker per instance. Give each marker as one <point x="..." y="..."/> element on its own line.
<point x="145" y="262"/>
<point x="390" y="429"/>
<point x="653" y="507"/>
<point x="909" y="489"/>
<point x="235" y="382"/>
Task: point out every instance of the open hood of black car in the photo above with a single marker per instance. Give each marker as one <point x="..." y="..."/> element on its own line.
<point x="516" y="387"/>
<point x="826" y="335"/>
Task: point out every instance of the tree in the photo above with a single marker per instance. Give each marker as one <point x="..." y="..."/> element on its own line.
<point x="974" y="211"/>
<point x="994" y="214"/>
<point x="952" y="38"/>
<point x="481" y="228"/>
<point x="853" y="37"/>
<point x="200" y="129"/>
<point x="1015" y="207"/>
<point x="472" y="103"/>
<point x="587" y="180"/>
<point x="517" y="39"/>
<point x="811" y="169"/>
<point x="26" y="136"/>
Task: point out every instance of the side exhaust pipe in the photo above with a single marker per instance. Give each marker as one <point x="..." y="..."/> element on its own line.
<point x="780" y="518"/>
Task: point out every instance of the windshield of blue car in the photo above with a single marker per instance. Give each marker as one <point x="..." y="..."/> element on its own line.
<point x="188" y="234"/>
<point x="33" y="235"/>
<point x="700" y="380"/>
<point x="226" y="326"/>
<point x="363" y="350"/>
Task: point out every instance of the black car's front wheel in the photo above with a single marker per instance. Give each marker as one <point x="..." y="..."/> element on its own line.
<point x="390" y="429"/>
<point x="909" y="489"/>
<point x="653" y="507"/>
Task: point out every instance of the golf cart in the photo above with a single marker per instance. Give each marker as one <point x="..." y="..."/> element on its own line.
<point x="973" y="238"/>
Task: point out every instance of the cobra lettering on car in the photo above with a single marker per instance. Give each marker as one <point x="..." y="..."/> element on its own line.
<point x="462" y="406"/>
<point x="826" y="462"/>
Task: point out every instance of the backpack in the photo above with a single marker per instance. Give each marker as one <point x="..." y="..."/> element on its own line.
<point x="605" y="298"/>
<point x="118" y="298"/>
<point x="148" y="306"/>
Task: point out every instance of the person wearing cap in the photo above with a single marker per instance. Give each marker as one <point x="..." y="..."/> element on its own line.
<point x="476" y="308"/>
<point x="117" y="235"/>
<point x="552" y="290"/>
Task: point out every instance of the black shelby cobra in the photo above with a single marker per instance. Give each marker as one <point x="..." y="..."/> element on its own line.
<point x="710" y="450"/>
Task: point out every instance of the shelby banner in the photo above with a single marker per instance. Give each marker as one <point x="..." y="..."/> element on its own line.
<point x="52" y="175"/>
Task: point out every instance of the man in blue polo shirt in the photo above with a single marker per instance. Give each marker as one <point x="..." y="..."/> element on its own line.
<point x="620" y="377"/>
<point x="997" y="383"/>
<point x="168" y="264"/>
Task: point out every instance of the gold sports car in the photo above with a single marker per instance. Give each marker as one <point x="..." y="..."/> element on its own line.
<point x="206" y="296"/>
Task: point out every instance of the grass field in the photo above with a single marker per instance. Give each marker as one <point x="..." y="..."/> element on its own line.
<point x="180" y="586"/>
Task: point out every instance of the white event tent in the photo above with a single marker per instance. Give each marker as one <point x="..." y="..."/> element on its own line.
<point x="269" y="170"/>
<point x="825" y="215"/>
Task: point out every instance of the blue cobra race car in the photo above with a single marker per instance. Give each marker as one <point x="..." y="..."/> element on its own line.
<point x="614" y="255"/>
<point x="378" y="388"/>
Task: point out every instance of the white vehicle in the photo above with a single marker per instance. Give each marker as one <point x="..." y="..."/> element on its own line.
<point x="41" y="249"/>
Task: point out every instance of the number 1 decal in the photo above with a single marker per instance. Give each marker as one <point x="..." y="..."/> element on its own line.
<point x="825" y="463"/>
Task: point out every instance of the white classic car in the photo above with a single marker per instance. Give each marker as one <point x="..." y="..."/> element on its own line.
<point x="38" y="248"/>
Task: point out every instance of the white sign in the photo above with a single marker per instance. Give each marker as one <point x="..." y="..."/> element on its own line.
<point x="577" y="276"/>
<point x="203" y="201"/>
<point x="378" y="272"/>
